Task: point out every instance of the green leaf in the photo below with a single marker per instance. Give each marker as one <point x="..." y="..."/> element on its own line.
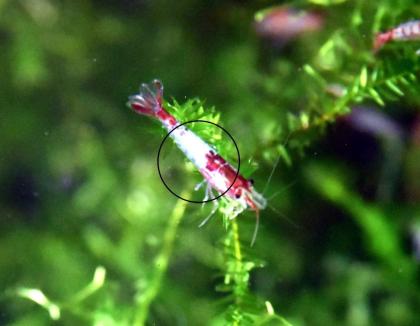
<point x="376" y="97"/>
<point x="363" y="77"/>
<point x="393" y="87"/>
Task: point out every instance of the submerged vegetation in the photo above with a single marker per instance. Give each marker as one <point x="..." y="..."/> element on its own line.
<point x="89" y="235"/>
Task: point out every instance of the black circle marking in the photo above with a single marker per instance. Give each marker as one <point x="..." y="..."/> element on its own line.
<point x="197" y="201"/>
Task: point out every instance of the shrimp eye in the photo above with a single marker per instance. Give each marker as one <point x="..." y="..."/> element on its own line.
<point x="251" y="181"/>
<point x="237" y="195"/>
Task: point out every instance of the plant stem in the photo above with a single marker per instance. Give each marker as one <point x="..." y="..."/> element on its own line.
<point x="236" y="243"/>
<point x="161" y="263"/>
<point x="238" y="264"/>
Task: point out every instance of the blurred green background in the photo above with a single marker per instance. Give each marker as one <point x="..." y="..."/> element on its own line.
<point x="90" y="236"/>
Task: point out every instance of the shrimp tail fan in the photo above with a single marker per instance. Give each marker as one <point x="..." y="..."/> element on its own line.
<point x="149" y="99"/>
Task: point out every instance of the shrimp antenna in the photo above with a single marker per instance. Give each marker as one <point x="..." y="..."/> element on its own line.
<point x="271" y="174"/>
<point x="275" y="165"/>
<point x="257" y="225"/>
<point x="283" y="216"/>
<point x="286" y="187"/>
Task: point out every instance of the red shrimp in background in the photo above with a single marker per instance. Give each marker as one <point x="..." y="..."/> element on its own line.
<point x="284" y="23"/>
<point x="217" y="172"/>
<point x="409" y="31"/>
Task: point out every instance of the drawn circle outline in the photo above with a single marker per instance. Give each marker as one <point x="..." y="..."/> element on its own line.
<point x="196" y="201"/>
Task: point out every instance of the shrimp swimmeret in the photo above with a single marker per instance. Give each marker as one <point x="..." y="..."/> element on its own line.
<point x="218" y="173"/>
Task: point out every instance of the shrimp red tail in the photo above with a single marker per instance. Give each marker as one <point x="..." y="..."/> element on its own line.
<point x="380" y="40"/>
<point x="149" y="100"/>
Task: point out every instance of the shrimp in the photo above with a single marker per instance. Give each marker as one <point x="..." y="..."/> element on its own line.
<point x="409" y="31"/>
<point x="283" y="23"/>
<point x="217" y="172"/>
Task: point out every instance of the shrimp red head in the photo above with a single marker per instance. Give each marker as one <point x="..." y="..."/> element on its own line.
<point x="254" y="199"/>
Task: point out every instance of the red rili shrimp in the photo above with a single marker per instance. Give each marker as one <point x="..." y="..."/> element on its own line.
<point x="408" y="31"/>
<point x="218" y="173"/>
<point x="286" y="23"/>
